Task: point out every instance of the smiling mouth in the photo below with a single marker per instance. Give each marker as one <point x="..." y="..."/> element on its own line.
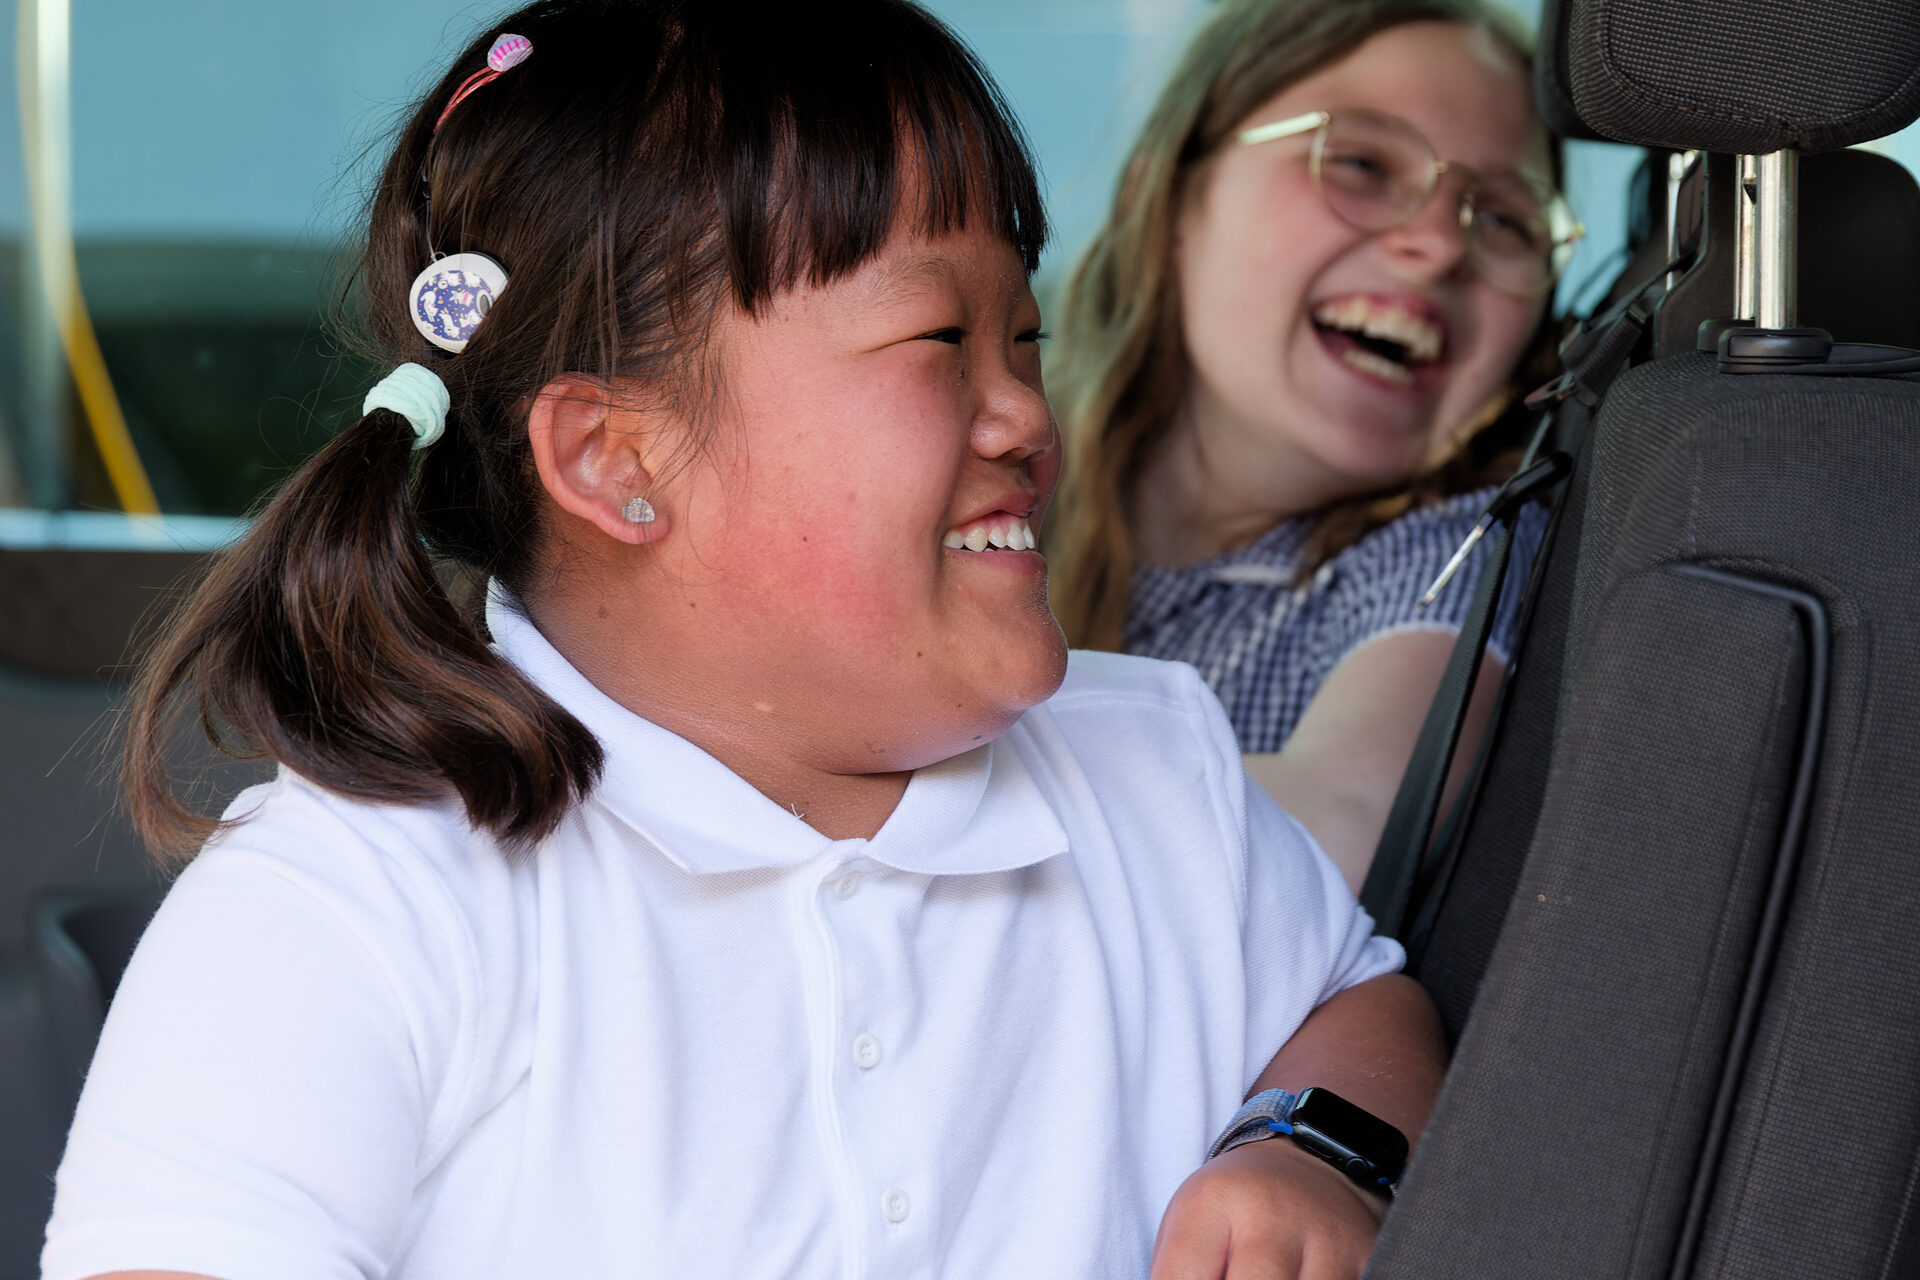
<point x="1005" y="533"/>
<point x="1383" y="339"/>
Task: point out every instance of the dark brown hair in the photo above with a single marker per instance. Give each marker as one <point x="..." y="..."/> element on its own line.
<point x="1119" y="368"/>
<point x="651" y="161"/>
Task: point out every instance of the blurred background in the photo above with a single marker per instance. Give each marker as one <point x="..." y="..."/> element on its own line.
<point x="176" y="183"/>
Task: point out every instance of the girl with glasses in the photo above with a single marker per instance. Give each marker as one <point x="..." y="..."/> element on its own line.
<point x="1289" y="371"/>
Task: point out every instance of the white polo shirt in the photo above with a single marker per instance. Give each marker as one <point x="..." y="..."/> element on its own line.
<point x="692" y="1037"/>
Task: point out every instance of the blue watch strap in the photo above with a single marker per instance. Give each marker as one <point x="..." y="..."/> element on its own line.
<point x="1264" y="1115"/>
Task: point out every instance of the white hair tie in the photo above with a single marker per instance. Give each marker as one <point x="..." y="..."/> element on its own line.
<point x="416" y="393"/>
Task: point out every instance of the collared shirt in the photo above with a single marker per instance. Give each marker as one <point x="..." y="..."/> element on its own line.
<point x="1265" y="645"/>
<point x="690" y="1036"/>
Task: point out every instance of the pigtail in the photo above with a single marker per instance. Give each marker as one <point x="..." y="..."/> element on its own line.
<point x="325" y="642"/>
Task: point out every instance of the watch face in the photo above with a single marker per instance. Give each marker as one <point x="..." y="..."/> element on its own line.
<point x="1365" y="1146"/>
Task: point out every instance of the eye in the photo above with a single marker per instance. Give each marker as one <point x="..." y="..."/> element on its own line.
<point x="953" y="335"/>
<point x="1032" y="335"/>
<point x="1510" y="233"/>
<point x="1357" y="170"/>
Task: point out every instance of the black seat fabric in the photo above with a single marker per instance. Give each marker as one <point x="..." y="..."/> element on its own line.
<point x="1693" y="1051"/>
<point x="1754" y="77"/>
<point x="1676" y="941"/>
<point x="33" y="1129"/>
<point x="82" y="942"/>
<point x="53" y="999"/>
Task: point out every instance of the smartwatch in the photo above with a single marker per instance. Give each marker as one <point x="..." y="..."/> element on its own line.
<point x="1355" y="1141"/>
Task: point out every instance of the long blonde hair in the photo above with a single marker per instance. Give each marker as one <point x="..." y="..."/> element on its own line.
<point x="1120" y="366"/>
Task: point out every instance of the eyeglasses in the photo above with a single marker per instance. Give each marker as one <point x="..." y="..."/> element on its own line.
<point x="1376" y="172"/>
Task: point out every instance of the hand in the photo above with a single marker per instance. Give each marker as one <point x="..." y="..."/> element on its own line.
<point x="1267" y="1211"/>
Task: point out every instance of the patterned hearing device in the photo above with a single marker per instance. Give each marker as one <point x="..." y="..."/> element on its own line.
<point x="452" y="296"/>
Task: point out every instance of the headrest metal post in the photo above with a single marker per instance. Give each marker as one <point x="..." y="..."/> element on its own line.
<point x="1746" y="282"/>
<point x="1679" y="164"/>
<point x="1776" y="305"/>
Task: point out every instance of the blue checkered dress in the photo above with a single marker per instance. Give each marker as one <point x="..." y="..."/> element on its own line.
<point x="1266" y="646"/>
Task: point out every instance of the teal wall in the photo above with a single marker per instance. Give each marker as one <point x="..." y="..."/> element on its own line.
<point x="236" y="119"/>
<point x="239" y="120"/>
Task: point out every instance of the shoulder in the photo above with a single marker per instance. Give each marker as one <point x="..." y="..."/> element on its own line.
<point x="380" y="867"/>
<point x="1095" y="677"/>
<point x="312" y="1005"/>
<point x="1416" y="545"/>
<point x="1149" y="739"/>
<point x="406" y="904"/>
<point x="399" y="877"/>
<point x="1108" y="693"/>
<point x="1376" y="585"/>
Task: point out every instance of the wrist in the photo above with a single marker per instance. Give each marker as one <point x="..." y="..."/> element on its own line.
<point x="1325" y="1126"/>
<point x="1300" y="1167"/>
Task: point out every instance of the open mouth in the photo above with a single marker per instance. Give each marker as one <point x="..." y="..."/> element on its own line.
<point x="1382" y="339"/>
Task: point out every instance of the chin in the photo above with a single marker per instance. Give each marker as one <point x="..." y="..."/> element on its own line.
<point x="1382" y="458"/>
<point x="1029" y="673"/>
<point x="1046" y="667"/>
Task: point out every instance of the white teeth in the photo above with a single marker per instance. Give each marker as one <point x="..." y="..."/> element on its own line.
<point x="1420" y="336"/>
<point x="1017" y="536"/>
<point x="1378" y="365"/>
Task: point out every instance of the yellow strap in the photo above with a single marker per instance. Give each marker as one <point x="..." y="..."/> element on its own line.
<point x="102" y="406"/>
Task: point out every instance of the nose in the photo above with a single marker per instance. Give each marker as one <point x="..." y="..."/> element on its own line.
<point x="1012" y="421"/>
<point x="1432" y="245"/>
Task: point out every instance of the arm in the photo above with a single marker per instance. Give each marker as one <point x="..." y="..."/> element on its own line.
<point x="1269" y="1209"/>
<point x="1339" y="771"/>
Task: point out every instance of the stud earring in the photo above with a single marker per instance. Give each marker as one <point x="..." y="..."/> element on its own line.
<point x="637" y="511"/>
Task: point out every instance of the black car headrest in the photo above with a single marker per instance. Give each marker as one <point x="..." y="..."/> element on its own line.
<point x="1742" y="76"/>
<point x="1552" y="91"/>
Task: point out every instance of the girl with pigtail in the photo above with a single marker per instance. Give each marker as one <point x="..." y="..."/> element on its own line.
<point x="757" y="888"/>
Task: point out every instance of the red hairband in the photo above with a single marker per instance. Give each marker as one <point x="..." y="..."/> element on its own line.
<point x="507" y="53"/>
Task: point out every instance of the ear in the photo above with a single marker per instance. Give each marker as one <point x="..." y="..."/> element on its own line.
<point x="591" y="449"/>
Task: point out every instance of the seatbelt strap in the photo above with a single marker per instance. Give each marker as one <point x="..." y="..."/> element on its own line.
<point x="1443" y="852"/>
<point x="1398" y="858"/>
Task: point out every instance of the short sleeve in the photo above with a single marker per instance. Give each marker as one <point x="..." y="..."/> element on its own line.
<point x="256" y="1106"/>
<point x="1306" y="938"/>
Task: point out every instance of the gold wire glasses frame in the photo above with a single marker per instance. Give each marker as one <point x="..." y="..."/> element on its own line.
<point x="1377" y="172"/>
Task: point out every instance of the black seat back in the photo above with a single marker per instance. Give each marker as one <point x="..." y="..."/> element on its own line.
<point x="1677" y="947"/>
<point x="53" y="999"/>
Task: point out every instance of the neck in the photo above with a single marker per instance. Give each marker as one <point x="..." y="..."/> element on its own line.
<point x="1213" y="485"/>
<point x="840" y="806"/>
<point x="596" y="636"/>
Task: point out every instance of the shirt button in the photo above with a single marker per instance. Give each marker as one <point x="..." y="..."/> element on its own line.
<point x="847" y="885"/>
<point x="866" y="1052"/>
<point x="894" y="1205"/>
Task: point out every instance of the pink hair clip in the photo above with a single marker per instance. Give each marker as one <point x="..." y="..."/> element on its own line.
<point x="507" y="53"/>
